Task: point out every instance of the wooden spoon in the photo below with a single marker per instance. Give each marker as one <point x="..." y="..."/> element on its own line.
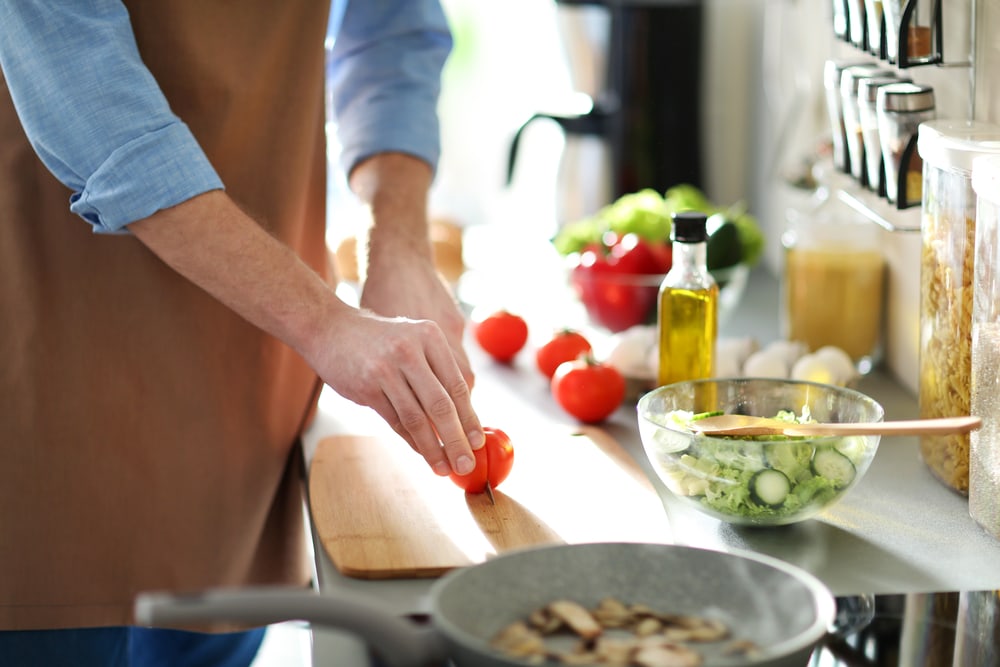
<point x="745" y="425"/>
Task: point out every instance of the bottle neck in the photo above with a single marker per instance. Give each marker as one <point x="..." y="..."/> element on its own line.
<point x="691" y="255"/>
<point x="689" y="269"/>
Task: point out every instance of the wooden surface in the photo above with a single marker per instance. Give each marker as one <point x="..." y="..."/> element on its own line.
<point x="380" y="512"/>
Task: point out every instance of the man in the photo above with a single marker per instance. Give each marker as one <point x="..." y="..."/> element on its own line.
<point x="156" y="375"/>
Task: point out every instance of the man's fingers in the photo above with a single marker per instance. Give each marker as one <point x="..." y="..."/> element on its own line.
<point x="417" y="427"/>
<point x="469" y="433"/>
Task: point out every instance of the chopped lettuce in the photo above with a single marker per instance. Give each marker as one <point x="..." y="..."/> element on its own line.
<point x="718" y="471"/>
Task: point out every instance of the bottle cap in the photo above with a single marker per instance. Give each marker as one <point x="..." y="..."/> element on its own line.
<point x="689" y="227"/>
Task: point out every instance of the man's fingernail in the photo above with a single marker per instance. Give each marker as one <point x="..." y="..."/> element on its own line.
<point x="442" y="468"/>
<point x="464" y="465"/>
<point x="476" y="439"/>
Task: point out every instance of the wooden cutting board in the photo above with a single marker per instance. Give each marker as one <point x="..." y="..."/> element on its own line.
<point x="380" y="512"/>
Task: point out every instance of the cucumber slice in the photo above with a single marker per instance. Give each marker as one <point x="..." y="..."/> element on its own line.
<point x="769" y="487"/>
<point x="828" y="462"/>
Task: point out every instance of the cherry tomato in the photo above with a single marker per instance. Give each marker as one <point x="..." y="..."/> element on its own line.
<point x="494" y="461"/>
<point x="565" y="345"/>
<point x="588" y="389"/>
<point x="501" y="334"/>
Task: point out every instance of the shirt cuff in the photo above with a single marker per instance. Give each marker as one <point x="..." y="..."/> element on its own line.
<point x="402" y="129"/>
<point x="173" y="167"/>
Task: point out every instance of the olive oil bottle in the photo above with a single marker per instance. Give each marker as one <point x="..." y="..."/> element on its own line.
<point x="687" y="322"/>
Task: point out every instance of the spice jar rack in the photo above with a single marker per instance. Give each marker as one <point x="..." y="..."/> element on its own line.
<point x="907" y="34"/>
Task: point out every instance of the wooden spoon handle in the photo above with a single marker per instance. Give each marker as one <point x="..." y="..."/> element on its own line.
<point x="939" y="426"/>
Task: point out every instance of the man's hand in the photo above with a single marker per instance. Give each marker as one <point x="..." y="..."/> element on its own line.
<point x="414" y="289"/>
<point x="406" y="370"/>
<point x="400" y="277"/>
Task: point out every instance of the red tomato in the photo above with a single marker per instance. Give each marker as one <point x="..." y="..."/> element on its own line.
<point x="502" y="334"/>
<point x="587" y="389"/>
<point x="618" y="280"/>
<point x="615" y="301"/>
<point x="633" y="254"/>
<point x="494" y="461"/>
<point x="664" y="253"/>
<point x="565" y="345"/>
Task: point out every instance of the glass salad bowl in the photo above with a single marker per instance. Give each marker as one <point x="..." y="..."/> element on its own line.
<point x="756" y="480"/>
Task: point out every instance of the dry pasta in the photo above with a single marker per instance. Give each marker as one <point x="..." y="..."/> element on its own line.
<point x="946" y="342"/>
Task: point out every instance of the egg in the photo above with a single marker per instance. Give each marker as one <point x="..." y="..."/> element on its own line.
<point x="632" y="352"/>
<point x="812" y="368"/>
<point x="789" y="350"/>
<point x="731" y="354"/>
<point x="840" y="363"/>
<point x="766" y="363"/>
<point x="829" y="365"/>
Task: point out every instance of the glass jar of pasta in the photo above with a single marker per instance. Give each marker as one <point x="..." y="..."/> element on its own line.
<point x="948" y="232"/>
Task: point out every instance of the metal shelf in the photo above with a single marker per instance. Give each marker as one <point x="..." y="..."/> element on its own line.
<point x="881" y="212"/>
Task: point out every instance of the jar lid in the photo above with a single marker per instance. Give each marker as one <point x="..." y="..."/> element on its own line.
<point x="986" y="177"/>
<point x="833" y="69"/>
<point x="906" y="96"/>
<point x="852" y="76"/>
<point x="956" y="143"/>
<point x="868" y="86"/>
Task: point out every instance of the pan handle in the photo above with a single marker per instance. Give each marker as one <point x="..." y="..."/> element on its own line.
<point x="399" y="642"/>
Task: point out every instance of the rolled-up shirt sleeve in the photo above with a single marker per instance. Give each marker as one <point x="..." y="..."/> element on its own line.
<point x="385" y="77"/>
<point x="94" y="114"/>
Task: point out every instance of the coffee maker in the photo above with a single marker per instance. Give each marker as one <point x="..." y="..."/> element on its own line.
<point x="634" y="119"/>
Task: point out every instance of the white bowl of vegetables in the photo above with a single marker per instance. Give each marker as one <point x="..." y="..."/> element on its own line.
<point x="756" y="480"/>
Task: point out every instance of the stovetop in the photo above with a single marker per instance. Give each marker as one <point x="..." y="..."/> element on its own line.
<point x="948" y="629"/>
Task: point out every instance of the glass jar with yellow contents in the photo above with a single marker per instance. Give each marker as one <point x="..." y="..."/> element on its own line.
<point x="948" y="233"/>
<point x="833" y="280"/>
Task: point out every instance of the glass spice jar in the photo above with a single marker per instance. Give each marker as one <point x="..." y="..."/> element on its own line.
<point x="856" y="27"/>
<point x="892" y="10"/>
<point x="948" y="235"/>
<point x="984" y="444"/>
<point x="874" y="159"/>
<point x="900" y="109"/>
<point x="850" y="79"/>
<point x="873" y="15"/>
<point x="912" y="43"/>
<point x="840" y="21"/>
<point x="832" y="72"/>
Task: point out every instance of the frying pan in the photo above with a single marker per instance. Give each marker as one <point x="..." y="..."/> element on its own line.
<point x="782" y="609"/>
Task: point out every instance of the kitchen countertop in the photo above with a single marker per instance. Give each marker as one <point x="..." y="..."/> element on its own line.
<point x="899" y="531"/>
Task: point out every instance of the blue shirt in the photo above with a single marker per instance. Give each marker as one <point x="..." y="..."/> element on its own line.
<point x="98" y="120"/>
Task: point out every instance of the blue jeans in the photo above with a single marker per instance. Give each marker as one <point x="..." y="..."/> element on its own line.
<point x="127" y="647"/>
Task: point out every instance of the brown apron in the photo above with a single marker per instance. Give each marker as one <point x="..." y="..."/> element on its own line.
<point x="147" y="433"/>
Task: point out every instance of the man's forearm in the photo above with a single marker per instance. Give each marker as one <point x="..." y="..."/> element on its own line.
<point x="210" y="241"/>
<point x="406" y="370"/>
<point x="395" y="187"/>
